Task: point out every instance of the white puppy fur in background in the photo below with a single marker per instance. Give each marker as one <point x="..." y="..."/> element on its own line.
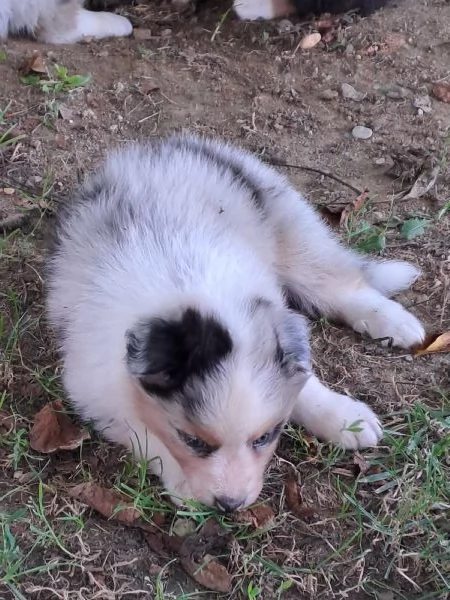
<point x="59" y="21"/>
<point x="169" y="286"/>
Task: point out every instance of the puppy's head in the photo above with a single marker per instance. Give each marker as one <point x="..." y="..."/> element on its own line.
<point x="219" y="400"/>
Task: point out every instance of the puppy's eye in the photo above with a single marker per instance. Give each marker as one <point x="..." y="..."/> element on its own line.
<point x="263" y="440"/>
<point x="199" y="446"/>
<point x="268" y="437"/>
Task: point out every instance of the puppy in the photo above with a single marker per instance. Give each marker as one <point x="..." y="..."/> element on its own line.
<point x="171" y="287"/>
<point x="58" y="21"/>
<point x="271" y="9"/>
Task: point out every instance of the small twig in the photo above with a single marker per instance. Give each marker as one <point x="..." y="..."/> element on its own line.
<point x="279" y="163"/>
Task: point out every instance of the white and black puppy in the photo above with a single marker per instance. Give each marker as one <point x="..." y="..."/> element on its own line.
<point x="58" y="21"/>
<point x="171" y="286"/>
<point x="271" y="9"/>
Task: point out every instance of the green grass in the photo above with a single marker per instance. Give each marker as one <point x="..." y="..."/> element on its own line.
<point x="410" y="501"/>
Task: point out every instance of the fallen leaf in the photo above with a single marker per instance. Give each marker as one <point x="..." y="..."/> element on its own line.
<point x="361" y="464"/>
<point x="424" y="182"/>
<point x="294" y="500"/>
<point x="338" y="215"/>
<point x="34" y="64"/>
<point x="258" y="516"/>
<point x="441" y="91"/>
<point x="309" y="41"/>
<point x="414" y="227"/>
<point x="433" y="343"/>
<point x="197" y="557"/>
<point x="112" y="505"/>
<point x="53" y="430"/>
<point x="353" y="207"/>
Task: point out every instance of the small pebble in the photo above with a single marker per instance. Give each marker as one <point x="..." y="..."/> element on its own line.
<point x="350" y="93"/>
<point x="380" y="161"/>
<point x="423" y="103"/>
<point x="361" y="133"/>
<point x="309" y="41"/>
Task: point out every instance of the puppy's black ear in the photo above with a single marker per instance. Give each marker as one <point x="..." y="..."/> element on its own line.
<point x="293" y="352"/>
<point x="164" y="354"/>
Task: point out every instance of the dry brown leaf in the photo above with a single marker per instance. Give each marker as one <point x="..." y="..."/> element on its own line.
<point x="294" y="500"/>
<point x="353" y="207"/>
<point x="309" y="41"/>
<point x="197" y="557"/>
<point x="35" y="64"/>
<point x="441" y="91"/>
<point x="53" y="430"/>
<point x="361" y="464"/>
<point x="425" y="181"/>
<point x="209" y="573"/>
<point x="112" y="505"/>
<point x="433" y="343"/>
<point x="259" y="516"/>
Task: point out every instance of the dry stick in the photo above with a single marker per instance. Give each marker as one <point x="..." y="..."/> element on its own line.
<point x="279" y="163"/>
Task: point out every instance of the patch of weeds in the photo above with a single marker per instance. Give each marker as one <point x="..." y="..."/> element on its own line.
<point x="58" y="81"/>
<point x="134" y="483"/>
<point x="362" y="234"/>
<point x="406" y="519"/>
<point x="32" y="523"/>
<point x="7" y="135"/>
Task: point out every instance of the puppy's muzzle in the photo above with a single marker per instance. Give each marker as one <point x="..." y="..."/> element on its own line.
<point x="227" y="504"/>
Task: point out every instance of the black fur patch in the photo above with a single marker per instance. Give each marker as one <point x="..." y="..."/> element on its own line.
<point x="165" y="355"/>
<point x="365" y="7"/>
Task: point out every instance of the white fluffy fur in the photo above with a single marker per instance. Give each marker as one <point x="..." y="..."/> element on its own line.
<point x="59" y="21"/>
<point x="198" y="239"/>
<point x="252" y="10"/>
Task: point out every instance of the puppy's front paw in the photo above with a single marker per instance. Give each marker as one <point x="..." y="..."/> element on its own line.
<point x="336" y="418"/>
<point x="358" y="425"/>
<point x="390" y="320"/>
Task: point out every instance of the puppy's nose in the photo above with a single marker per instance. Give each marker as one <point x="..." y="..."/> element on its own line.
<point x="227" y="504"/>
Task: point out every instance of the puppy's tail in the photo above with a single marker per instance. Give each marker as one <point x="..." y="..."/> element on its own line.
<point x="390" y="277"/>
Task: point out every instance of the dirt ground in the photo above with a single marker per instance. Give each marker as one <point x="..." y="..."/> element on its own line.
<point x="376" y="525"/>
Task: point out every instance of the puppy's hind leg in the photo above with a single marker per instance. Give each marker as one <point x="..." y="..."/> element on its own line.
<point x="72" y="23"/>
<point x="321" y="274"/>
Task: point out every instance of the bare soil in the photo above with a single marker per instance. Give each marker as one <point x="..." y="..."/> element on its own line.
<point x="251" y="85"/>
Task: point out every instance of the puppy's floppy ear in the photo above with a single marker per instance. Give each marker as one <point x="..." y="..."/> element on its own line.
<point x="293" y="351"/>
<point x="164" y="354"/>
